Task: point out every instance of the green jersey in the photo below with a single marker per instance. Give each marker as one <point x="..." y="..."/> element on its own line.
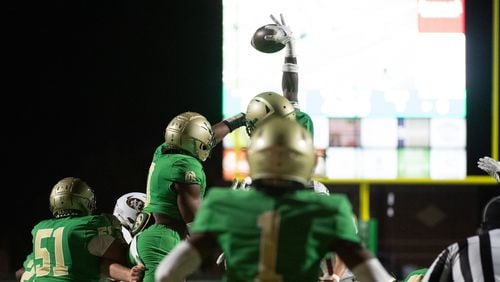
<point x="157" y="240"/>
<point x="416" y="275"/>
<point x="305" y="120"/>
<point x="60" y="250"/>
<point x="163" y="172"/>
<point x="274" y="238"/>
<point x="159" y="151"/>
<point x="29" y="270"/>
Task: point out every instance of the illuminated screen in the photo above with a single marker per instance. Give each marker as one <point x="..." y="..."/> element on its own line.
<point x="383" y="80"/>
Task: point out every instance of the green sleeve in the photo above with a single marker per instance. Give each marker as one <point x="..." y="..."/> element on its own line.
<point x="29" y="269"/>
<point x="212" y="215"/>
<point x="187" y="170"/>
<point x="343" y="222"/>
<point x="158" y="151"/>
<point x="107" y="224"/>
<point x="28" y="262"/>
<point x="305" y="120"/>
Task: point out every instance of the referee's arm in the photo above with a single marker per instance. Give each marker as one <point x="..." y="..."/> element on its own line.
<point x="440" y="269"/>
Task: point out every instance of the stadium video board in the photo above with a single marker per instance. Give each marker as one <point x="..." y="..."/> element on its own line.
<point x="384" y="82"/>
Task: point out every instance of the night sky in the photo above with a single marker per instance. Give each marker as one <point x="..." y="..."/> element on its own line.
<point x="90" y="86"/>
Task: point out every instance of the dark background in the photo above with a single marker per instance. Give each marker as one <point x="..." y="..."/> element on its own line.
<point x="90" y="86"/>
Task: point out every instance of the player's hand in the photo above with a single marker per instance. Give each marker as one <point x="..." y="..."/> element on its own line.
<point x="136" y="273"/>
<point x="243" y="185"/>
<point x="234" y="184"/>
<point x="282" y="33"/>
<point x="491" y="166"/>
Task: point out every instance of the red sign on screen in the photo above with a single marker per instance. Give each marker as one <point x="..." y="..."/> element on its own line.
<point x="441" y="16"/>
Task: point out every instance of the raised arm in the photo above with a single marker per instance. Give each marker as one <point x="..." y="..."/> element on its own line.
<point x="227" y="126"/>
<point x="290" y="78"/>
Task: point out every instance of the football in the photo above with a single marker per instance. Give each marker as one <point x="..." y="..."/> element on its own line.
<point x="262" y="45"/>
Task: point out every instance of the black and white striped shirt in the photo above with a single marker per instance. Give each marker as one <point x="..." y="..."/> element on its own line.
<point x="476" y="258"/>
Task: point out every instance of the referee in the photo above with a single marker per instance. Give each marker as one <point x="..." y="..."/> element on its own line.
<point x="476" y="258"/>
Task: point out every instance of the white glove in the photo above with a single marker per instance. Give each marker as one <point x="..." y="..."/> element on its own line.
<point x="243" y="185"/>
<point x="234" y="184"/>
<point x="282" y="34"/>
<point x="491" y="166"/>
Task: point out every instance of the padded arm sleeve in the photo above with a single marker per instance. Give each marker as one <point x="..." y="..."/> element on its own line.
<point x="372" y="270"/>
<point x="183" y="260"/>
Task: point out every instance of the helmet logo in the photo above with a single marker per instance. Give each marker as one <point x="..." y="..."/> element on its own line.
<point x="190" y="176"/>
<point x="135" y="203"/>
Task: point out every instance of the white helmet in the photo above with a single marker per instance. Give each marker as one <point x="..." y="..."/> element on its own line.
<point x="128" y="206"/>
<point x="319" y="187"/>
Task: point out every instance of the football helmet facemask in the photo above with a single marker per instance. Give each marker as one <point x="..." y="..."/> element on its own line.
<point x="190" y="132"/>
<point x="266" y="105"/>
<point x="281" y="149"/>
<point x="71" y="197"/>
<point x="127" y="207"/>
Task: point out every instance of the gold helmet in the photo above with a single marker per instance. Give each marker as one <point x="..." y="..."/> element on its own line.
<point x="190" y="132"/>
<point x="71" y="197"/>
<point x="281" y="149"/>
<point x="264" y="106"/>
